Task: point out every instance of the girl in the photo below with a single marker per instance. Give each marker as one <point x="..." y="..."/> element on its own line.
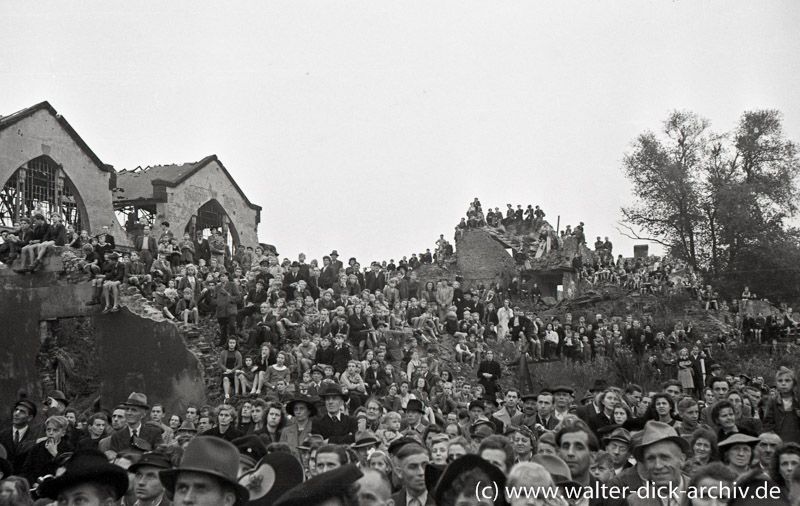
<point x="229" y="361"/>
<point x="685" y="375"/>
<point x="246" y="377"/>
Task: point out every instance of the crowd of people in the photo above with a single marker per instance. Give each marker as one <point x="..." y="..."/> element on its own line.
<point x="611" y="446"/>
<point x="332" y="390"/>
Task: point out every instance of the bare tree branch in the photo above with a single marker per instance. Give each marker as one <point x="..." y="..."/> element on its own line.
<point x="632" y="234"/>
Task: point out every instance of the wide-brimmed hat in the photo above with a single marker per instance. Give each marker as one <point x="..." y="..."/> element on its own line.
<point x="415" y="405"/>
<point x="309" y="441"/>
<point x="251" y="449"/>
<point x="433" y="472"/>
<point x="332" y="390"/>
<point x="187" y="426"/>
<point x="87" y="465"/>
<point x="309" y="401"/>
<point x="273" y="476"/>
<point x="137" y="400"/>
<point x="212" y="456"/>
<point x="599" y="385"/>
<point x="656" y="432"/>
<point x="321" y="487"/>
<point x="365" y="440"/>
<point x="738" y="439"/>
<point x="334" y="252"/>
<point x="465" y="464"/>
<point x="152" y="459"/>
<point x="58" y="395"/>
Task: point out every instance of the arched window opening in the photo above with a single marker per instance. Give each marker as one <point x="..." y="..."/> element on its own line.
<point x="40" y="187"/>
<point x="212" y="215"/>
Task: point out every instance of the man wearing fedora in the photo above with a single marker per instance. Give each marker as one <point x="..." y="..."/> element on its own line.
<point x="414" y="415"/>
<point x="89" y="479"/>
<point x="592" y="408"/>
<point x="336" y="263"/>
<point x="147" y="486"/>
<point x="334" y="426"/>
<point x="663" y="453"/>
<point x="206" y="476"/>
<point x="19" y="438"/>
<point x="618" y="445"/>
<point x="136" y="409"/>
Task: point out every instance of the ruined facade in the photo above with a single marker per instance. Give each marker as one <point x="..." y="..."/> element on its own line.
<point x="46" y="166"/>
<point x="192" y="197"/>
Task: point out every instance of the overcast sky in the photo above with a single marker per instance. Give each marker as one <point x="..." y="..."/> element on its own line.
<point x="369" y="126"/>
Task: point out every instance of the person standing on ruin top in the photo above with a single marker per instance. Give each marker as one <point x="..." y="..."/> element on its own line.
<point x="504" y="315"/>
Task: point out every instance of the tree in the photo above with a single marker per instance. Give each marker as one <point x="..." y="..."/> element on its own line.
<point x="714" y="199"/>
<point x="665" y="175"/>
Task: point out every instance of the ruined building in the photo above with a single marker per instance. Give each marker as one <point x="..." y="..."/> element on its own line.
<point x="45" y="166"/>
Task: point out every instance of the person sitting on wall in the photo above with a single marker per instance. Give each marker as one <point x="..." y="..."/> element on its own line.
<point x="114" y="274"/>
<point x="30" y="250"/>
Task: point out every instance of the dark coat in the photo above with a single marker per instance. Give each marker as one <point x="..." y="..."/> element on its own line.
<point x="40" y="462"/>
<point x="121" y="440"/>
<point x="229" y="435"/>
<point x="336" y="432"/>
<point x="400" y="498"/>
<point x="489" y="384"/>
<point x="18" y="454"/>
<point x="785" y="424"/>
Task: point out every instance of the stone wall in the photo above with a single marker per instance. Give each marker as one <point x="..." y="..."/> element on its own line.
<point x="481" y="258"/>
<point x="134" y="352"/>
<point x="209" y="183"/>
<point x="43" y="134"/>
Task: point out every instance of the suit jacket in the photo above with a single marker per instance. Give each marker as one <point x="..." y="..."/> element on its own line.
<point x="121" y="440"/>
<point x="327" y="277"/>
<point x="18" y="454"/>
<point x="375" y="281"/>
<point x="337" y="432"/>
<point x="586" y="411"/>
<point x="152" y="244"/>
<point x="288" y="279"/>
<point x="400" y="498"/>
<point x="599" y="421"/>
<point x="548" y="424"/>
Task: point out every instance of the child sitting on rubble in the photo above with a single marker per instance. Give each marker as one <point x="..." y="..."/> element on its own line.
<point x="170" y="303"/>
<point x="90" y="264"/>
<point x="187" y="308"/>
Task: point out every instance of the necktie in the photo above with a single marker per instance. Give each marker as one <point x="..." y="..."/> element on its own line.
<point x="414" y="502"/>
<point x="16" y="438"/>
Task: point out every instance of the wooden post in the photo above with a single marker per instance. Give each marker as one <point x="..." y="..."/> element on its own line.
<point x="558" y="224"/>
